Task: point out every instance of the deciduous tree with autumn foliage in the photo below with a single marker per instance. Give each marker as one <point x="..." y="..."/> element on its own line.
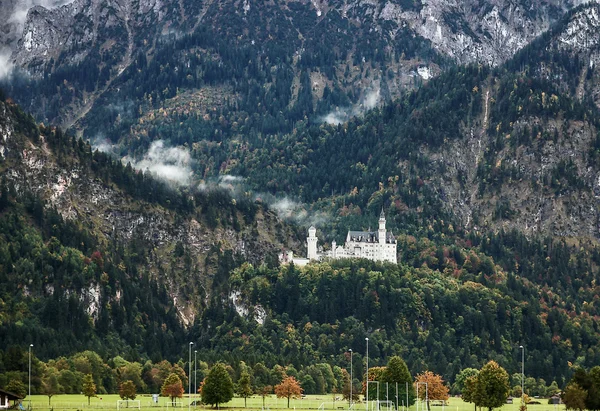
<point x="436" y="388"/>
<point x="289" y="388"/>
<point x="172" y="387"/>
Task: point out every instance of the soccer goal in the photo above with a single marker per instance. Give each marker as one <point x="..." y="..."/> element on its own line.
<point x="383" y="405"/>
<point x="128" y="404"/>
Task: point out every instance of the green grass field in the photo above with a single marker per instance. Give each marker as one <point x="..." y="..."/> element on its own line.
<point x="314" y="402"/>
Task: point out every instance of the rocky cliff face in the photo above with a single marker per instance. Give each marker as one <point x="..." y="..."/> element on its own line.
<point x="486" y="32"/>
<point x="471" y="31"/>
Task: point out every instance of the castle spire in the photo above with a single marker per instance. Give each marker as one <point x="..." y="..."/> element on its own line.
<point x="381" y="234"/>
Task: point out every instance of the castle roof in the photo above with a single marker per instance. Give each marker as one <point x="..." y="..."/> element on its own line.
<point x="368" y="237"/>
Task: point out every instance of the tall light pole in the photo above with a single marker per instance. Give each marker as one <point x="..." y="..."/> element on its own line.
<point x="195" y="385"/>
<point x="350" y="377"/>
<point x="522" y="373"/>
<point x="190" y="377"/>
<point x="30" y="347"/>
<point x="367" y="379"/>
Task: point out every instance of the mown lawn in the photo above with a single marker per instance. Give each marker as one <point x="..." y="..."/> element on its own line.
<point x="315" y="402"/>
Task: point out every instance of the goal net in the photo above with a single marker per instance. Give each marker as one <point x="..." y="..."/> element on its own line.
<point x="382" y="405"/>
<point x="128" y="404"/>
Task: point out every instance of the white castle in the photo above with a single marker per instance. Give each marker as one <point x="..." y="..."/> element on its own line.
<point x="377" y="245"/>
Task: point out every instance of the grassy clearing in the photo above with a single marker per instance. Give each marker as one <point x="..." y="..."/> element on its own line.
<point x="310" y="402"/>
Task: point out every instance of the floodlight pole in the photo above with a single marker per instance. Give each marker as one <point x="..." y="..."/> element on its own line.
<point x="367" y="379"/>
<point x="522" y="374"/>
<point x="190" y="376"/>
<point x="30" y="346"/>
<point x="350" y="377"/>
<point x="195" y="384"/>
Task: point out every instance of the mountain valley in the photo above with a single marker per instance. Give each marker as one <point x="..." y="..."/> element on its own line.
<point x="202" y="138"/>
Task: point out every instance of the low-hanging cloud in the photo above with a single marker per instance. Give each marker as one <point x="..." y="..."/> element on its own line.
<point x="233" y="184"/>
<point x="172" y="164"/>
<point x="342" y="115"/>
<point x="102" y="144"/>
<point x="294" y="211"/>
<point x="5" y="64"/>
<point x="286" y="208"/>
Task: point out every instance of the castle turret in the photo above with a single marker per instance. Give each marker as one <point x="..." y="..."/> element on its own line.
<point x="311" y="242"/>
<point x="381" y="232"/>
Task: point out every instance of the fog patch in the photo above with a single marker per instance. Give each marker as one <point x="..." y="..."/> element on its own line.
<point x="341" y="115"/>
<point x="294" y="211"/>
<point x="6" y="66"/>
<point x="102" y="144"/>
<point x="172" y="164"/>
<point x="286" y="208"/>
<point x="233" y="184"/>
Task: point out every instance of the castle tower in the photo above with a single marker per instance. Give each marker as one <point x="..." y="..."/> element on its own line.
<point x="381" y="232"/>
<point x="311" y="242"/>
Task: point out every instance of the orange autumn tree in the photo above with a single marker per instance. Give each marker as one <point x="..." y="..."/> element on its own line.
<point x="436" y="389"/>
<point x="289" y="388"/>
<point x="375" y="374"/>
<point x="172" y="387"/>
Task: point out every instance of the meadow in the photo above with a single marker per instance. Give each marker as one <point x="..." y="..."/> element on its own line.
<point x="309" y="402"/>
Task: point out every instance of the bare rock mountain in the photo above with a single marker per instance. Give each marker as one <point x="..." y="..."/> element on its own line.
<point x="471" y="31"/>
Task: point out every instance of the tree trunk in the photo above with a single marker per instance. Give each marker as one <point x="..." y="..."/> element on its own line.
<point x="244" y="402"/>
<point x="89" y="398"/>
<point x="288" y="402"/>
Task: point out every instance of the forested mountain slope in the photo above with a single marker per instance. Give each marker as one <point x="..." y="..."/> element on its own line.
<point x="479" y="148"/>
<point x="84" y="47"/>
<point x="97" y="255"/>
